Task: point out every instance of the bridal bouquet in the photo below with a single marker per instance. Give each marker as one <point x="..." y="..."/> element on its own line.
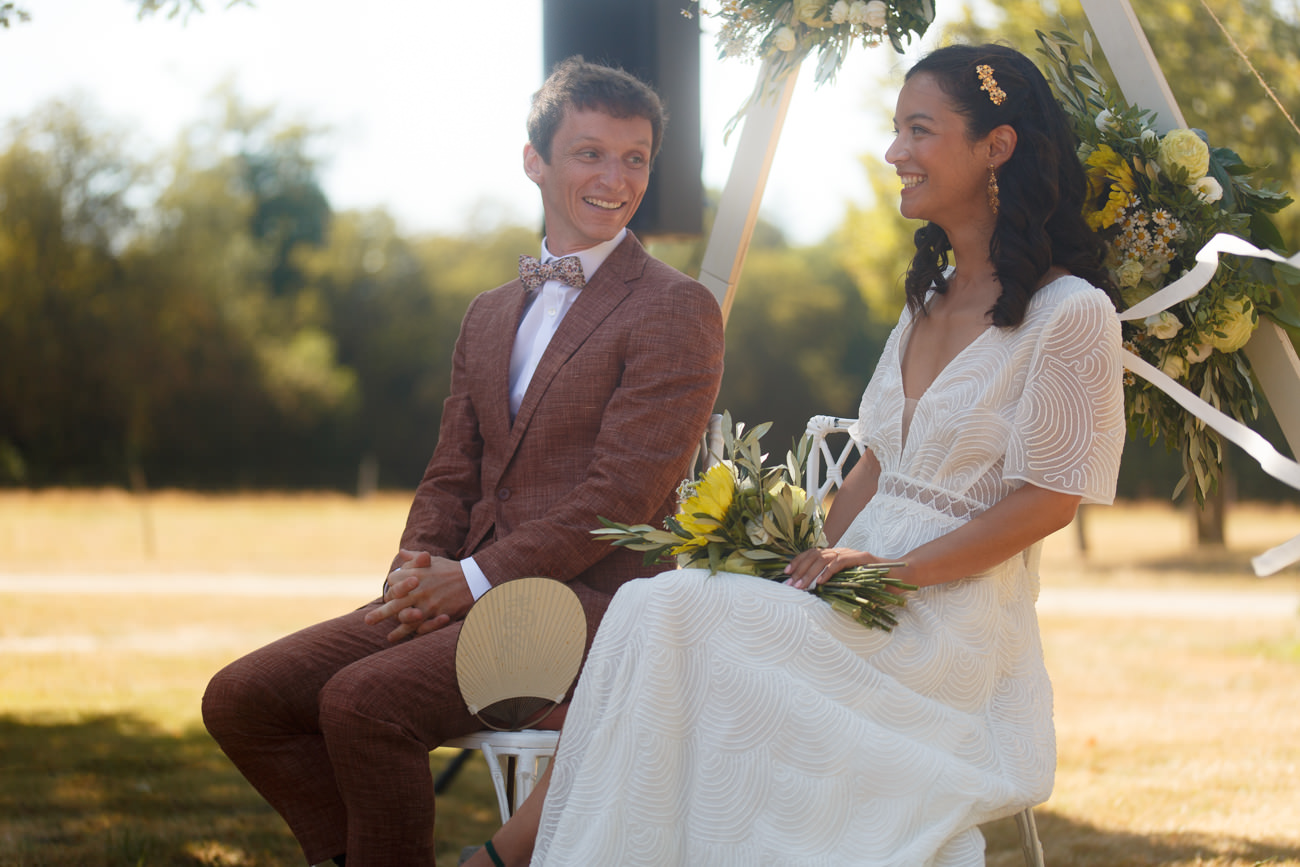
<point x="739" y="516"/>
<point x="1157" y="199"/>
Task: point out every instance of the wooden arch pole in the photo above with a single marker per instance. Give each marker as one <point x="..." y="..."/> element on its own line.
<point x="733" y="225"/>
<point x="1271" y="354"/>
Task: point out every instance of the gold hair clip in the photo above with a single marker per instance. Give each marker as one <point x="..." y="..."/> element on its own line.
<point x="990" y="84"/>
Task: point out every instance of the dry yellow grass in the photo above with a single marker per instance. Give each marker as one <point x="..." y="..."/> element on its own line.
<point x="1179" y="738"/>
<point x="115" y="532"/>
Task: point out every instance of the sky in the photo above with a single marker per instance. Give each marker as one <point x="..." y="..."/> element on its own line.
<point x="424" y="100"/>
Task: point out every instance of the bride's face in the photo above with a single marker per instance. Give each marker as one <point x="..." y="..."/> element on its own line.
<point x="944" y="176"/>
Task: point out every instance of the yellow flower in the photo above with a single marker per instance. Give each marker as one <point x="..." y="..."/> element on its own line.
<point x="1109" y="175"/>
<point x="810" y="12"/>
<point x="1112" y="164"/>
<point x="1183" y="153"/>
<point x="1238" y="326"/>
<point x="1129" y="273"/>
<point x="712" y="498"/>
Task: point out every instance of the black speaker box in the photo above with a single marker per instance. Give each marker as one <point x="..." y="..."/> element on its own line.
<point x="655" y="41"/>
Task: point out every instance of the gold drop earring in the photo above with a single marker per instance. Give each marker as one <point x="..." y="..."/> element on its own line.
<point x="993" y="190"/>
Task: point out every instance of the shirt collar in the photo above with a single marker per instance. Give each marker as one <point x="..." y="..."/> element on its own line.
<point x="592" y="257"/>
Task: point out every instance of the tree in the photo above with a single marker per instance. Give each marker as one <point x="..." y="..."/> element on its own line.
<point x="64" y="214"/>
<point x="262" y="382"/>
<point x="383" y="314"/>
<point x="876" y="246"/>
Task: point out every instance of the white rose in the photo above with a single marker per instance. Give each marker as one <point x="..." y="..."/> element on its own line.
<point x="1198" y="353"/>
<point x="1104" y="119"/>
<point x="1207" y="189"/>
<point x="1154" y="268"/>
<point x="1163" y="325"/>
<point x="1174" y="366"/>
<point x="858" y="12"/>
<point x="840" y="12"/>
<point x="876" y="13"/>
<point x="784" y="39"/>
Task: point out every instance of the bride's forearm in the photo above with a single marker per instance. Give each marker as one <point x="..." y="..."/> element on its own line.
<point x="1019" y="520"/>
<point x="858" y="489"/>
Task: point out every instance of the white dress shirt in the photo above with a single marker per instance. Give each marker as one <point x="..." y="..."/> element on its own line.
<point x="545" y="312"/>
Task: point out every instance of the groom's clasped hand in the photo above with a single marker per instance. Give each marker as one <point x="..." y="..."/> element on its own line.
<point x="424" y="593"/>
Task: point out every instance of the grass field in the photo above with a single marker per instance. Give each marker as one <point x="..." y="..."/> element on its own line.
<point x="1178" y="729"/>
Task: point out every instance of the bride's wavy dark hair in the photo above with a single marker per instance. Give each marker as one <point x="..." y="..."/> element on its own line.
<point x="1040" y="220"/>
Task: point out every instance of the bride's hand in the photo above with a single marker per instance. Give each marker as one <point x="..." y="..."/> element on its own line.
<point x="817" y="565"/>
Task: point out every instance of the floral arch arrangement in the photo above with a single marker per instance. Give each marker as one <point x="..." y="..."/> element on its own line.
<point x="1159" y="201"/>
<point x="782" y="33"/>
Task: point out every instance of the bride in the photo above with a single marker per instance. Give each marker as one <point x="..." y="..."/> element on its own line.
<point x="728" y="720"/>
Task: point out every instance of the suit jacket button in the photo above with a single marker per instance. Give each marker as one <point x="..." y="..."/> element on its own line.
<point x="503" y="494"/>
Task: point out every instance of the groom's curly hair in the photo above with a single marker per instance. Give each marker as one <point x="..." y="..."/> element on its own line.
<point x="578" y="84"/>
<point x="1040" y="220"/>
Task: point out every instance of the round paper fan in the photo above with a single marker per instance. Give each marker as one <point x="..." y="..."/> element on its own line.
<point x="519" y="650"/>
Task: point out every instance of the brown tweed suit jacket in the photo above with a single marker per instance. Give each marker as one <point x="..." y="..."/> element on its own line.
<point x="607" y="427"/>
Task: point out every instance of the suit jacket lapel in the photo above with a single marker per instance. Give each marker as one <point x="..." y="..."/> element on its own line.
<point x="501" y="340"/>
<point x="597" y="300"/>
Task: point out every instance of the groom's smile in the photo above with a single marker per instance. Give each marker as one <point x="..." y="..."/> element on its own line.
<point x="594" y="180"/>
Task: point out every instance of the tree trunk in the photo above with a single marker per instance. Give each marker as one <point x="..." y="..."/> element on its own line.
<point x="1209" y="519"/>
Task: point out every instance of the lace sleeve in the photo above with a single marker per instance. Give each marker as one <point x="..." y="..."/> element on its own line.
<point x="1069" y="429"/>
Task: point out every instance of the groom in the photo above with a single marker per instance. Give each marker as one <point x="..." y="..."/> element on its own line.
<point x="578" y="391"/>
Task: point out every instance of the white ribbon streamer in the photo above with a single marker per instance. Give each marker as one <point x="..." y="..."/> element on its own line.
<point x="1207" y="262"/>
<point x="1276" y="465"/>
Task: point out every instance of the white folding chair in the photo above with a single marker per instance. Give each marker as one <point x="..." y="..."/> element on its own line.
<point x="835" y="456"/>
<point x="517" y="759"/>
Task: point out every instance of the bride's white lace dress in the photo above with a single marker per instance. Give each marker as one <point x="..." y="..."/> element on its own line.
<point x="728" y="720"/>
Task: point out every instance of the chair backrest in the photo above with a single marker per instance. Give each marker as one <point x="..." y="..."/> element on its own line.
<point x="833" y="453"/>
<point x="709" y="452"/>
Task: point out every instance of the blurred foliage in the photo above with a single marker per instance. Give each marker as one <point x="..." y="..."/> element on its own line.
<point x="10" y="12"/>
<point x="183" y="9"/>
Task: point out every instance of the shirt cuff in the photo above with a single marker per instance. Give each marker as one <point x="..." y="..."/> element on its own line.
<point x="474" y="578"/>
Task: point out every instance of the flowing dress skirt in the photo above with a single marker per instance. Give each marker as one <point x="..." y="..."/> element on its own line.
<point x="729" y="720"/>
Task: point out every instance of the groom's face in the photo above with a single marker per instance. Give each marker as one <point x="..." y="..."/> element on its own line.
<point x="599" y="169"/>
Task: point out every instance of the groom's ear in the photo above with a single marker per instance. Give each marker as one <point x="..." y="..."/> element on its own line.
<point x="1001" y="142"/>
<point x="533" y="163"/>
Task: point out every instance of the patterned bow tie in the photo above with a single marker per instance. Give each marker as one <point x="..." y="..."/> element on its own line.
<point x="568" y="270"/>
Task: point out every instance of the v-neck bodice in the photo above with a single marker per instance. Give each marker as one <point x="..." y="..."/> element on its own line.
<point x="1032" y="404"/>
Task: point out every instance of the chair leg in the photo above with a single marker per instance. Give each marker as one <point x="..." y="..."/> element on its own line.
<point x="1029" y="842"/>
<point x="512" y="787"/>
<point x="449" y="773"/>
<point x="498" y="781"/>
